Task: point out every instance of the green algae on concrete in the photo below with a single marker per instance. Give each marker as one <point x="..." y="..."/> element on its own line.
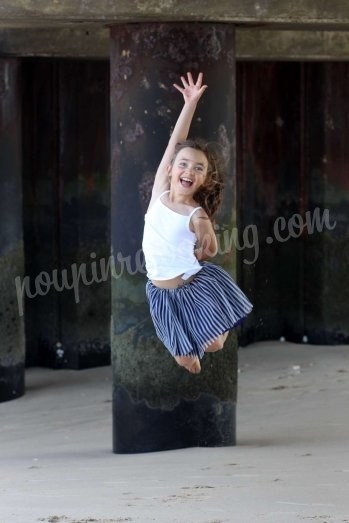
<point x="145" y="368"/>
<point x="11" y="320"/>
<point x="12" y="336"/>
<point x="12" y="343"/>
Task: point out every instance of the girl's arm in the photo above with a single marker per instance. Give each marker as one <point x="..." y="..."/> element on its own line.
<point x="191" y="92"/>
<point x="206" y="245"/>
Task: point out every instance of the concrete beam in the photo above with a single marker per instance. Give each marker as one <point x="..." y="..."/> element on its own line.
<point x="65" y="42"/>
<point x="291" y="45"/>
<point x="251" y="44"/>
<point x="295" y="12"/>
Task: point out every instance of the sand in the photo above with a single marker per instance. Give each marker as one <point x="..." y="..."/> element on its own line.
<point x="290" y="464"/>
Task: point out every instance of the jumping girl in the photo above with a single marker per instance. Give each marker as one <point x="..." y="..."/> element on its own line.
<point x="193" y="303"/>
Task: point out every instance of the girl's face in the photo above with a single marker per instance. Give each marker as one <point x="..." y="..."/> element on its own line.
<point x="189" y="170"/>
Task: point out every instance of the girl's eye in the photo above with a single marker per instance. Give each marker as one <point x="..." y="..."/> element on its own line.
<point x="199" y="169"/>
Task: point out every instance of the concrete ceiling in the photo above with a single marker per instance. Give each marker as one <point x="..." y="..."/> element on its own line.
<point x="317" y="14"/>
<point x="266" y="29"/>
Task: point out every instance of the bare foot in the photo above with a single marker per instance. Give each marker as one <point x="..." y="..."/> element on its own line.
<point x="189" y="363"/>
<point x="218" y="344"/>
<point x="225" y="335"/>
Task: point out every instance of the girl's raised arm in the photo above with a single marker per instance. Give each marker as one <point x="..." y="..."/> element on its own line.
<point x="192" y="93"/>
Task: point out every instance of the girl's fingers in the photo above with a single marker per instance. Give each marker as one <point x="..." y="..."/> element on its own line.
<point x="184" y="82"/>
<point x="202" y="89"/>
<point x="190" y="88"/>
<point x="190" y="79"/>
<point x="199" y="80"/>
<point x="179" y="88"/>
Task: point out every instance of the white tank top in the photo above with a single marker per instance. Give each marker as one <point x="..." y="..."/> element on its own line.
<point x="168" y="243"/>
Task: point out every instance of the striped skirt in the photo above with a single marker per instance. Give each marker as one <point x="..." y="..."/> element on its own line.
<point x="189" y="318"/>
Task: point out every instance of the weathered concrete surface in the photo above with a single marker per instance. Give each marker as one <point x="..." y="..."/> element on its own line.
<point x="145" y="61"/>
<point x="12" y="338"/>
<point x="92" y="42"/>
<point x="259" y="44"/>
<point x="290" y="464"/>
<point x="294" y="166"/>
<point x="67" y="211"/>
<point x="12" y="343"/>
<point x="40" y="12"/>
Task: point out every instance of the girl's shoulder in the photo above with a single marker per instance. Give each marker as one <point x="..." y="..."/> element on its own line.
<point x="157" y="195"/>
<point x="196" y="208"/>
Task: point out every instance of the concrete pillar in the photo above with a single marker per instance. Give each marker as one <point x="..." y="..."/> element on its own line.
<point x="270" y="186"/>
<point x="302" y="274"/>
<point x="66" y="211"/>
<point x="326" y="246"/>
<point x="156" y="404"/>
<point x="11" y="246"/>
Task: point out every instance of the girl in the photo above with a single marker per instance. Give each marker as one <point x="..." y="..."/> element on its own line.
<point x="193" y="303"/>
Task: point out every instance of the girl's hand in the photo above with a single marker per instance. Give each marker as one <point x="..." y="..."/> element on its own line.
<point x="191" y="91"/>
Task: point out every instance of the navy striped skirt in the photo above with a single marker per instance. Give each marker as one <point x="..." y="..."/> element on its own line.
<point x="191" y="317"/>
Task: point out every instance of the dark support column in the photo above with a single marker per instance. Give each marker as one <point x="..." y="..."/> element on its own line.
<point x="84" y="210"/>
<point x="156" y="404"/>
<point x="293" y="166"/>
<point x="11" y="246"/>
<point x="66" y="211"/>
<point x="326" y="249"/>
<point x="270" y="183"/>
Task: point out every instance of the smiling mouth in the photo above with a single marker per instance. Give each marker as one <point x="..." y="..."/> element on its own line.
<point x="186" y="182"/>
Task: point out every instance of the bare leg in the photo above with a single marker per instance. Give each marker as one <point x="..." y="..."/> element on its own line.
<point x="218" y="343"/>
<point x="189" y="363"/>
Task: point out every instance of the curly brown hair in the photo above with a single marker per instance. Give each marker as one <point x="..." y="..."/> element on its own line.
<point x="209" y="195"/>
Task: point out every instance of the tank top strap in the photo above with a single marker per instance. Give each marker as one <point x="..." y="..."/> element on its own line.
<point x="165" y="192"/>
<point x="192" y="212"/>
